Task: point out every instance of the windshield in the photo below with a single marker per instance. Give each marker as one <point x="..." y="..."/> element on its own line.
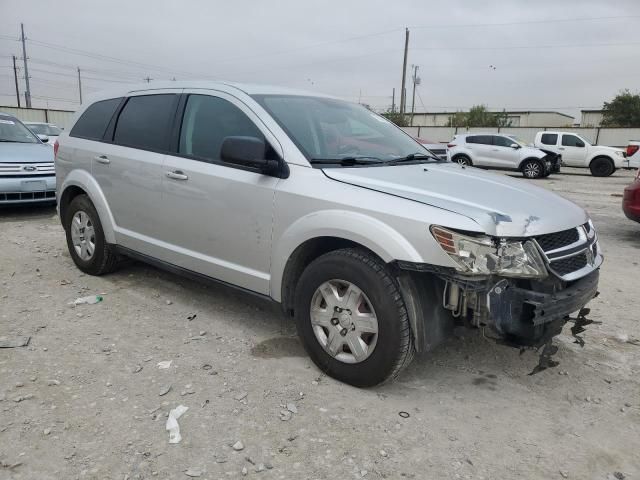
<point x="12" y="130"/>
<point x="44" y="129"/>
<point x="519" y="141"/>
<point x="333" y="130"/>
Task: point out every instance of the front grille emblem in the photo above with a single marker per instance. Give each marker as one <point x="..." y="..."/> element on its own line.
<point x="29" y="168"/>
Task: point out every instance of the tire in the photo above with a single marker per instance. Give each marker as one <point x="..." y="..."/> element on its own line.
<point x="95" y="257"/>
<point x="353" y="273"/>
<point x="532" y="169"/>
<point x="463" y="160"/>
<point x="602" y="167"/>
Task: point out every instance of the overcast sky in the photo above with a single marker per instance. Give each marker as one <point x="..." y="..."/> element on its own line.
<point x="348" y="48"/>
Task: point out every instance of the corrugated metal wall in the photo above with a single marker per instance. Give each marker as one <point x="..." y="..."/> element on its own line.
<point x="61" y="118"/>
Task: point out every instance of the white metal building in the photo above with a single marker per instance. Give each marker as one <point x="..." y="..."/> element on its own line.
<point x="517" y="119"/>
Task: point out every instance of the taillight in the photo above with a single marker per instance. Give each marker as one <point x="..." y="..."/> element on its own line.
<point x="55" y="149"/>
<point x="451" y="145"/>
<point x="631" y="149"/>
<point x="638" y="175"/>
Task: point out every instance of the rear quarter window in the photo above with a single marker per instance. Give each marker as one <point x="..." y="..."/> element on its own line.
<point x="93" y="122"/>
<point x="549" y="138"/>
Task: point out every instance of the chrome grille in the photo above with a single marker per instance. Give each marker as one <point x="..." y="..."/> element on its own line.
<point x="572" y="253"/>
<point x="26" y="169"/>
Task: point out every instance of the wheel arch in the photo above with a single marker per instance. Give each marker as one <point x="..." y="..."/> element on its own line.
<point x="604" y="156"/>
<point x="80" y="182"/>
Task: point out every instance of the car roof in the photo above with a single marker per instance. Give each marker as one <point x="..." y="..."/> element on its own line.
<point x="247" y="88"/>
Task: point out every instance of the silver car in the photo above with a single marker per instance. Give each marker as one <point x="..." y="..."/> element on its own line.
<point x="376" y="248"/>
<point x="27" y="173"/>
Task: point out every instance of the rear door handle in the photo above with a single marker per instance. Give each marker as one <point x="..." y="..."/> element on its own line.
<point x="561" y="148"/>
<point x="102" y="159"/>
<point x="177" y="175"/>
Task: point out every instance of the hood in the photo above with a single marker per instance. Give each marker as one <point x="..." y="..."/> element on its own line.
<point x="527" y="152"/>
<point x="25" y="153"/>
<point x="500" y="205"/>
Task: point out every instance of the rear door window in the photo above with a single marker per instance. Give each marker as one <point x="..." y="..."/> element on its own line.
<point x="93" y="122"/>
<point x="480" y="139"/>
<point x="572" y="141"/>
<point x="549" y="138"/>
<point x="145" y="122"/>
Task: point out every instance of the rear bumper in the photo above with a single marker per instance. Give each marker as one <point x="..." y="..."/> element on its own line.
<point x="631" y="201"/>
<point x="27" y="189"/>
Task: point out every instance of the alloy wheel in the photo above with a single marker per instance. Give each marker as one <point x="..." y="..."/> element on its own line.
<point x="83" y="235"/>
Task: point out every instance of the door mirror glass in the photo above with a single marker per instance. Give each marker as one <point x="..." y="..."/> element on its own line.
<point x="43" y="138"/>
<point x="249" y="151"/>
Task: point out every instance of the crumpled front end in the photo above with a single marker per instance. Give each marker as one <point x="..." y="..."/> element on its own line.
<point x="516" y="311"/>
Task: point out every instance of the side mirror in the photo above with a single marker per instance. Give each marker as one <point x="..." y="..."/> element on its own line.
<point x="515" y="146"/>
<point x="247" y="151"/>
<point x="43" y="138"/>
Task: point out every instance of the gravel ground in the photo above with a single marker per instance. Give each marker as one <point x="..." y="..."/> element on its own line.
<point x="83" y="399"/>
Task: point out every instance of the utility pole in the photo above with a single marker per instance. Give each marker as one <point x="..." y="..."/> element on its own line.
<point x="416" y="81"/>
<point x="80" y="85"/>
<point x="403" y="95"/>
<point x="393" y="101"/>
<point x="27" y="93"/>
<point x="15" y="77"/>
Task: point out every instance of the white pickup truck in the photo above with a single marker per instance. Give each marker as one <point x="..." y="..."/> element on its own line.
<point x="577" y="152"/>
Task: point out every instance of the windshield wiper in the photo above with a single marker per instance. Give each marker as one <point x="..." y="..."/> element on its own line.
<point x="412" y="157"/>
<point x="346" y="161"/>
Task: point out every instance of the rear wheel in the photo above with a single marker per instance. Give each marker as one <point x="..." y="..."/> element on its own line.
<point x="85" y="238"/>
<point x="352" y="319"/>
<point x="533" y="169"/>
<point x="602" y="167"/>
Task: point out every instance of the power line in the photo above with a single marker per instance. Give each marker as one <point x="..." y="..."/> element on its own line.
<point x="526" y="22"/>
<point x="518" y="47"/>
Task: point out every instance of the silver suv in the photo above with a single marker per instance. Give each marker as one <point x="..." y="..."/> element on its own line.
<point x="374" y="246"/>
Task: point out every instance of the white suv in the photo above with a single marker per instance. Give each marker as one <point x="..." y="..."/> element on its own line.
<point x="374" y="246"/>
<point x="504" y="152"/>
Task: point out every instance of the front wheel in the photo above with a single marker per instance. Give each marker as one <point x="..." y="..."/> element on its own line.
<point x="352" y="319"/>
<point x="463" y="160"/>
<point x="602" y="167"/>
<point x="532" y="169"/>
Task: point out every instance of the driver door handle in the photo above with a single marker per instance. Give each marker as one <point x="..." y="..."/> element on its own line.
<point x="102" y="159"/>
<point x="177" y="175"/>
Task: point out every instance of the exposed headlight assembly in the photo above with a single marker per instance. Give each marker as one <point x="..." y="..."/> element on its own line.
<point x="483" y="255"/>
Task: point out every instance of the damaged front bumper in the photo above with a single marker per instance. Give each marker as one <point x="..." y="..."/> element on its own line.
<point x="519" y="313"/>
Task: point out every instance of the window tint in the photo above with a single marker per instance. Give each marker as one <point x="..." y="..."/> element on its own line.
<point x="145" y="122"/>
<point x="481" y="139"/>
<point x="503" y="141"/>
<point x="93" y="122"/>
<point x="207" y="121"/>
<point x="572" y="141"/>
<point x="549" y="138"/>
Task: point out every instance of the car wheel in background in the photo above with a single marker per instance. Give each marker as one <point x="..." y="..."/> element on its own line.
<point x="85" y="238"/>
<point x="533" y="169"/>
<point x="463" y="160"/>
<point x="352" y="319"/>
<point x="602" y="167"/>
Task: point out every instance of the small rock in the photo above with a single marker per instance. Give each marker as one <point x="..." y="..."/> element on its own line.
<point x="202" y="333"/>
<point x="314" y="383"/>
<point x="285" y="415"/>
<point x="33" y="379"/>
<point x="168" y="302"/>
<point x="221" y="459"/>
<point x="19" y="384"/>
<point x="47" y="431"/>
<point x="292" y="407"/>
<point x="363" y="473"/>
<point x="619" y="475"/>
<point x="241" y="396"/>
<point x="627" y="404"/>
<point x="164" y="390"/>
<point x="108" y="384"/>
<point x="193" y="472"/>
<point x="383" y="453"/>
<point x="238" y="446"/>
<point x="244" y="471"/>
<point x="268" y="465"/>
<point x="260" y="467"/>
<point x="564" y="474"/>
<point x="137" y="368"/>
<point x="53" y="382"/>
